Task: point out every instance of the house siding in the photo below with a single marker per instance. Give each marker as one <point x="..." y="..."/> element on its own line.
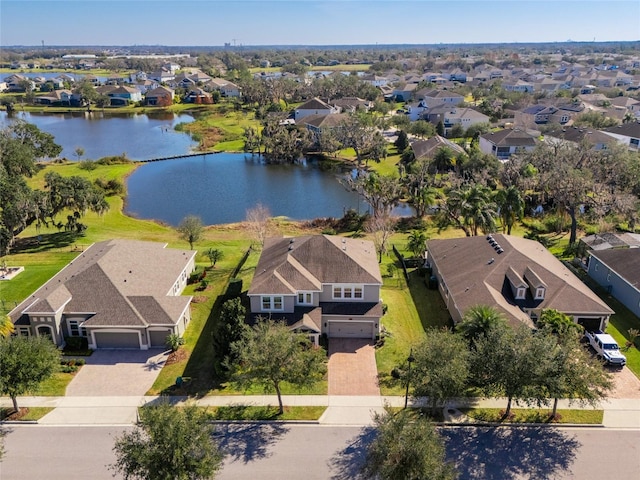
<point x="617" y="286"/>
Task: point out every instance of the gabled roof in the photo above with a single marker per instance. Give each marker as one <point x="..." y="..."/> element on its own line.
<point x="603" y="241"/>
<point x="631" y="129"/>
<point x="578" y="135"/>
<point x="120" y="282"/>
<point x="509" y="137"/>
<point x="320" y="121"/>
<point x="623" y="261"/>
<point x="289" y="265"/>
<point x="314" y="104"/>
<point x="428" y="148"/>
<point x="475" y="274"/>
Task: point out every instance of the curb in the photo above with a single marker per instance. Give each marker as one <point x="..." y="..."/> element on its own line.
<point x="520" y="425"/>
<point x="262" y="422"/>
<point x="19" y="422"/>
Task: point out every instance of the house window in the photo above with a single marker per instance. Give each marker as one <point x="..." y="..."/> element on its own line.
<point x="305" y="298"/>
<point x="75" y="330"/>
<point x="634" y="142"/>
<point x="347" y="292"/>
<point x="23" y="331"/>
<point x="272" y="303"/>
<point x="520" y="293"/>
<point x="539" y="293"/>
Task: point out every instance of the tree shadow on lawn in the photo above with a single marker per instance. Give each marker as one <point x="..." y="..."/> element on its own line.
<point x="45" y="242"/>
<point x="347" y="463"/>
<point x="499" y="453"/>
<point x="247" y="442"/>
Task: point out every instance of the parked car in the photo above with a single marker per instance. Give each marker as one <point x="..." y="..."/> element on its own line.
<point x="606" y="348"/>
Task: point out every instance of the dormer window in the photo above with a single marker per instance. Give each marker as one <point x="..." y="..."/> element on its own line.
<point x="539" y="293"/>
<point x="520" y="294"/>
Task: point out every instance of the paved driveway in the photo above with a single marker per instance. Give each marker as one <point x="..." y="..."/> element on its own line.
<point x="352" y="367"/>
<point x="117" y="373"/>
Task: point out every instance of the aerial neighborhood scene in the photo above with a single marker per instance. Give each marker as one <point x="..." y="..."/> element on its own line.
<point x="319" y="239"/>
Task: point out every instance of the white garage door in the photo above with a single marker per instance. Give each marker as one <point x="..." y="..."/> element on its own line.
<point x="117" y="340"/>
<point x="351" y="329"/>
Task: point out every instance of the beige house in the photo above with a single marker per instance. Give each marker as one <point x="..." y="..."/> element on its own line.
<point x="319" y="284"/>
<point x="517" y="276"/>
<point x="117" y="294"/>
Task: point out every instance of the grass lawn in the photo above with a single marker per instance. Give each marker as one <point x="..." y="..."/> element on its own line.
<point x="245" y="412"/>
<point x="56" y="386"/>
<point x="28" y="414"/>
<point x="519" y="415"/>
<point x="412" y="310"/>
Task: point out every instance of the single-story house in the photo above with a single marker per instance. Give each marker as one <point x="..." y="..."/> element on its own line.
<point x="618" y="270"/>
<point x="516" y="276"/>
<point x="117" y="294"/>
<point x="315" y="106"/>
<point x="627" y="134"/>
<point x="429" y="148"/>
<point x="319" y="284"/>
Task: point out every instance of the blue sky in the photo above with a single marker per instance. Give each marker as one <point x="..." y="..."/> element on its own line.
<point x="313" y="22"/>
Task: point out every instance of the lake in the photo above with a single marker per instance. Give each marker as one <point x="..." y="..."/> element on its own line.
<point x="139" y="136"/>
<point x="219" y="188"/>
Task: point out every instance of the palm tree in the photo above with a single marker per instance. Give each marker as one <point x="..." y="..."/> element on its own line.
<point x="417" y="243"/>
<point x="511" y="207"/>
<point x="479" y="320"/>
<point x="472" y="209"/>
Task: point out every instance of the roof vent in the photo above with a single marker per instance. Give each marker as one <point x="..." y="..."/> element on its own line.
<point x="497" y="246"/>
<point x="292" y="240"/>
<point x="491" y="260"/>
<point x="290" y="247"/>
<point x="500" y="250"/>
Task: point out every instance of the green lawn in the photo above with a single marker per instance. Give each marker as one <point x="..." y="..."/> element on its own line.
<point x="55" y="386"/>
<point x="494" y="415"/>
<point x="33" y="413"/>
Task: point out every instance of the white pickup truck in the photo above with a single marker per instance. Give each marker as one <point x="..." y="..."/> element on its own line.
<point x="606" y="348"/>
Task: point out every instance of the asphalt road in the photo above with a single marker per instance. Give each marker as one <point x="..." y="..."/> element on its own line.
<point x="270" y="451"/>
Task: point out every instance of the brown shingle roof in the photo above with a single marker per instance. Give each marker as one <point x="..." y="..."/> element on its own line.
<point x="475" y="274"/>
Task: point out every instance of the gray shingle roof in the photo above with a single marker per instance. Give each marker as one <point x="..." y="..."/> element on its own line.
<point x="624" y="261"/>
<point x="305" y="263"/>
<point x="116" y="281"/>
<point x="508" y="138"/>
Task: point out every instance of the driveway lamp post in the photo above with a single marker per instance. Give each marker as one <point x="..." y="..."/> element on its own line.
<point x="406" y="392"/>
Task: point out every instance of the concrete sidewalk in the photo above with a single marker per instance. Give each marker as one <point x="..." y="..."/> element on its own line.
<point x="341" y="409"/>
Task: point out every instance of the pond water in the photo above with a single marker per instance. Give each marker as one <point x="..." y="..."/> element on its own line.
<point x="220" y="188"/>
<point x="139" y="136"/>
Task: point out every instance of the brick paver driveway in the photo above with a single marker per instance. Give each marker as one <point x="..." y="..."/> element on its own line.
<point x="117" y="373"/>
<point x="352" y="367"/>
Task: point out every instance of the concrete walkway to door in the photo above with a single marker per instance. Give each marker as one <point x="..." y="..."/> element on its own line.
<point x="352" y="367"/>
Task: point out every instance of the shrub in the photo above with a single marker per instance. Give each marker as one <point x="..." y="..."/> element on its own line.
<point x="174" y="341"/>
<point x="234" y="289"/>
<point x="87" y="165"/>
<point x="76" y="344"/>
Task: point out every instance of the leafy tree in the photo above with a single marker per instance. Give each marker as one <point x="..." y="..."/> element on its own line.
<point x="214" y="255"/>
<point x="406" y="448"/>
<point x="417" y="243"/>
<point x="358" y="131"/>
<point x="577" y="176"/>
<point x="418" y="187"/>
<point x="573" y="374"/>
<point x="79" y="152"/>
<point x="441" y="367"/>
<point x="190" y="229"/>
<point x="558" y="323"/>
<point x="511" y="206"/>
<point x="511" y="362"/>
<point x="478" y="321"/>
<point x="251" y="140"/>
<point x="228" y="329"/>
<point x="25" y="362"/>
<point x="422" y="129"/>
<point x="381" y="192"/>
<point x="270" y="354"/>
<point x="169" y="443"/>
<point x="440" y="128"/>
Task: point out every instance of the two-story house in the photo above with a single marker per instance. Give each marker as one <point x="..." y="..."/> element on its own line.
<point x="319" y="284"/>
